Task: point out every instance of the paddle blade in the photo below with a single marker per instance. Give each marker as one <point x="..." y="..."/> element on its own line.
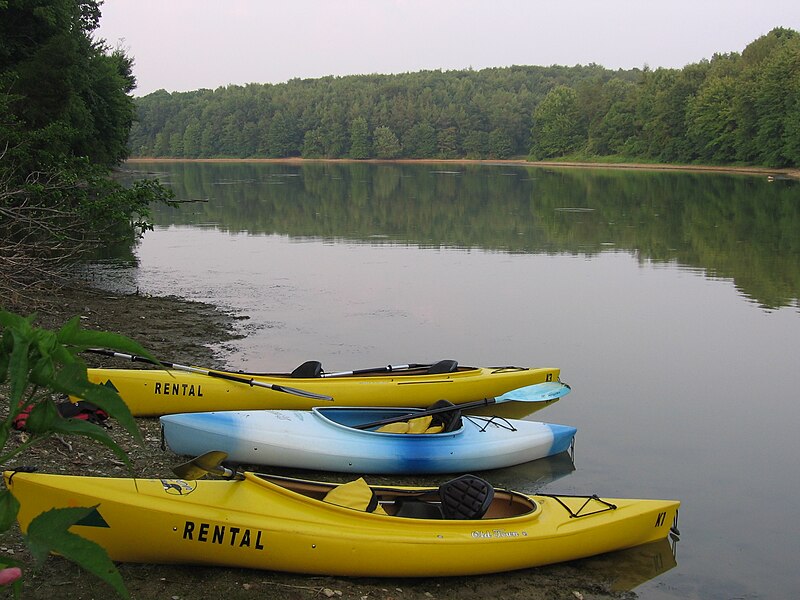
<point x="538" y="392"/>
<point x="297" y="392"/>
<point x="205" y="464"/>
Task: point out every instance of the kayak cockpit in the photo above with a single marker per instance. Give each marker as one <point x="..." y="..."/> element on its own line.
<point x="441" y="417"/>
<point x="464" y="498"/>
<point x="312" y="369"/>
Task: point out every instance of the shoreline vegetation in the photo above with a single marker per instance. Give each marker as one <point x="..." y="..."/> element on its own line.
<point x="788" y="173"/>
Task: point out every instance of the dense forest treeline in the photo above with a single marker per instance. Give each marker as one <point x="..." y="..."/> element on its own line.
<point x="734" y="108"/>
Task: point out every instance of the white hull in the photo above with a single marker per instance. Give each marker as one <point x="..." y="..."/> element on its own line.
<point x="322" y="440"/>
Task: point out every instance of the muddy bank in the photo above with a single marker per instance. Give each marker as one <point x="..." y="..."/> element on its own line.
<point x="188" y="332"/>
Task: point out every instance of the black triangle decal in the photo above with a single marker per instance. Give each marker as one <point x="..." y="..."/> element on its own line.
<point x="93" y="519"/>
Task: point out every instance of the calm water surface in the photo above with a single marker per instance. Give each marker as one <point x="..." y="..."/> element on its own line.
<point x="669" y="301"/>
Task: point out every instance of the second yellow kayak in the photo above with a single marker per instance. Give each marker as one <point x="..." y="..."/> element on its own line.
<point x="156" y="392"/>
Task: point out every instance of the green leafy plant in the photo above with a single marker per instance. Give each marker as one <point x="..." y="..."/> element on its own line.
<point x="35" y="365"/>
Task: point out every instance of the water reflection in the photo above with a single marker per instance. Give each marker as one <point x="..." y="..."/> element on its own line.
<point x="528" y="478"/>
<point x="738" y="227"/>
<point x="531" y="477"/>
<point x="628" y="569"/>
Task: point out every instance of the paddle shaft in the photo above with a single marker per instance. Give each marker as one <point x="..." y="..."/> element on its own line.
<point x="219" y="375"/>
<point x="425" y="413"/>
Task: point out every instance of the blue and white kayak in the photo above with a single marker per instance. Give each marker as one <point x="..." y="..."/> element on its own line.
<point x="327" y="439"/>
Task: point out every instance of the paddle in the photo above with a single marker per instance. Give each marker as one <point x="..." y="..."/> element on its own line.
<point x="200" y="466"/>
<point x="227" y="376"/>
<point x="538" y="392"/>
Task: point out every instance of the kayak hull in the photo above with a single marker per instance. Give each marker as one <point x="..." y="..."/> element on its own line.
<point x="263" y="523"/>
<point x="154" y="392"/>
<point x="323" y="439"/>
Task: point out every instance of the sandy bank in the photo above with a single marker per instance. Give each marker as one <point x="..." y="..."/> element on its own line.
<point x="744" y="170"/>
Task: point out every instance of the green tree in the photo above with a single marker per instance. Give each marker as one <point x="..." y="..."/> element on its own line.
<point x="500" y="144"/>
<point x="476" y="144"/>
<point x="313" y="144"/>
<point x="62" y="83"/>
<point x="359" y="139"/>
<point x="447" y="142"/>
<point x="617" y="126"/>
<point x="661" y="112"/>
<point x="557" y="128"/>
<point x="161" y="147"/>
<point x="776" y="102"/>
<point x="192" y="140"/>
<point x="385" y="143"/>
<point x="712" y="121"/>
<point x="420" y="141"/>
<point x="335" y="140"/>
<point x="283" y="137"/>
<point x="792" y="121"/>
<point x="176" y="145"/>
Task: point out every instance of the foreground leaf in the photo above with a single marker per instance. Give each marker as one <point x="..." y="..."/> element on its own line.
<point x="42" y="417"/>
<point x="9" y="507"/>
<point x="49" y="533"/>
<point x="18" y="366"/>
<point x="45" y="418"/>
<point x="90" y="430"/>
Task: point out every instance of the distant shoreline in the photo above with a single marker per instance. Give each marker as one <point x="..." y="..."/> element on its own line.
<point x="744" y="170"/>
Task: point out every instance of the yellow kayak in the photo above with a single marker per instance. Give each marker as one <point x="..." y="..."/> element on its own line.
<point x="156" y="392"/>
<point x="464" y="527"/>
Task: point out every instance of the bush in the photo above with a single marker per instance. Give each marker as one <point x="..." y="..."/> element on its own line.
<point x="36" y="365"/>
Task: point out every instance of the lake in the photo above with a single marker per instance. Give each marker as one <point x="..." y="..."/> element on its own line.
<point x="668" y="300"/>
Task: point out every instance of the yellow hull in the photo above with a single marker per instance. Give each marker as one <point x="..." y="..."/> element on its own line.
<point x="150" y="392"/>
<point x="260" y="523"/>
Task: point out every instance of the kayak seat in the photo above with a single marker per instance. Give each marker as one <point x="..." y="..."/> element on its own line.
<point x="443" y="366"/>
<point x="465" y="497"/>
<point x="450" y="420"/>
<point x="412" y="508"/>
<point x="419" y="424"/>
<point x="424" y="424"/>
<point x="308" y="370"/>
<point x="400" y="427"/>
<point x="356" y="495"/>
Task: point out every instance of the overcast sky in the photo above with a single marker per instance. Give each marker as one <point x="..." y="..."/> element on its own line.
<point x="181" y="45"/>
